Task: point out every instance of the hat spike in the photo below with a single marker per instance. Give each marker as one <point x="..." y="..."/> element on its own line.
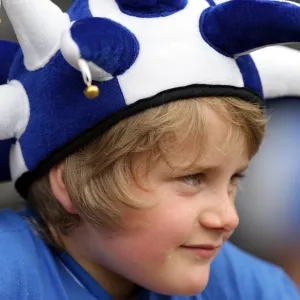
<point x="257" y="24"/>
<point x="14" y="110"/>
<point x="38" y="27"/>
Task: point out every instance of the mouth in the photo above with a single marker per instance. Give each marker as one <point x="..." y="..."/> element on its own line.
<point x="204" y="251"/>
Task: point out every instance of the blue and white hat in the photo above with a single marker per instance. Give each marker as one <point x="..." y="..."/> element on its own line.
<point x="127" y="55"/>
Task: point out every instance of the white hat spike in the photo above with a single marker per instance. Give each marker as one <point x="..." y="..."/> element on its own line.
<point x="14" y="110"/>
<point x="38" y="28"/>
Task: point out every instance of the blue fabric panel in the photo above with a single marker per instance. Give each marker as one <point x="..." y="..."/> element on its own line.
<point x="151" y="8"/>
<point x="259" y="23"/>
<point x="79" y="10"/>
<point x="59" y="108"/>
<point x="4" y="160"/>
<point x="250" y="74"/>
<point x="8" y="51"/>
<point x="106" y="43"/>
<point x="211" y="2"/>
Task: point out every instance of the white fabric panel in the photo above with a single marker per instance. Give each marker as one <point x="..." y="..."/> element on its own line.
<point x="279" y="68"/>
<point x="14" y="110"/>
<point x="161" y="45"/>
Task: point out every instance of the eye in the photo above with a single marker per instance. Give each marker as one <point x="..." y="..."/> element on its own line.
<point x="193" y="180"/>
<point x="236" y="178"/>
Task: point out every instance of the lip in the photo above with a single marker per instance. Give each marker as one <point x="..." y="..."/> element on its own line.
<point x="204" y="251"/>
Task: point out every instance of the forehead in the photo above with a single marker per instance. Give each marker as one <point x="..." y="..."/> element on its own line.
<point x="221" y="140"/>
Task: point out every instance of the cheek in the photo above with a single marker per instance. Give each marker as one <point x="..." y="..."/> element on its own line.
<point x="155" y="234"/>
<point x="146" y="251"/>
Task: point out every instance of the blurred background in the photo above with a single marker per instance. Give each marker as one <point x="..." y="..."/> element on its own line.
<point x="269" y="198"/>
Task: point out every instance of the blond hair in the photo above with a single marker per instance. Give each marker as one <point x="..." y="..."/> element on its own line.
<point x="97" y="175"/>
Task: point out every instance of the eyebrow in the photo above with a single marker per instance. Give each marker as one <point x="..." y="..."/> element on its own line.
<point x="200" y="169"/>
<point x="242" y="169"/>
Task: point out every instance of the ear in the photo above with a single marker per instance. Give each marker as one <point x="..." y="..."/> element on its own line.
<point x="59" y="190"/>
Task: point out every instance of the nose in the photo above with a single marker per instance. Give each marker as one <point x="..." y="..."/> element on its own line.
<point x="222" y="215"/>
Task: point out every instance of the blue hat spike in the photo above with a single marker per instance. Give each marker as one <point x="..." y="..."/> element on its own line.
<point x="260" y="23"/>
<point x="148" y="7"/>
<point x="8" y="51"/>
<point x="101" y="49"/>
<point x="152" y="3"/>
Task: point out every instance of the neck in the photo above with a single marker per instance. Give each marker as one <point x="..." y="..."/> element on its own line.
<point x="115" y="285"/>
<point x="118" y="287"/>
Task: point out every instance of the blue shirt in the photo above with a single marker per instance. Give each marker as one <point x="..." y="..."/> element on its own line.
<point x="30" y="270"/>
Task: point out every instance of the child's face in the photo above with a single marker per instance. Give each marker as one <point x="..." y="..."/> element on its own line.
<point x="162" y="249"/>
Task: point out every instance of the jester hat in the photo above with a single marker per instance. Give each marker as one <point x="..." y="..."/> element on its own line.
<point x="78" y="73"/>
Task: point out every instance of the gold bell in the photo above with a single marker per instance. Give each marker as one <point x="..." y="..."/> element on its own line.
<point x="92" y="92"/>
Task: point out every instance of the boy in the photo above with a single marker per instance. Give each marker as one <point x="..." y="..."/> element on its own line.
<point x="132" y="191"/>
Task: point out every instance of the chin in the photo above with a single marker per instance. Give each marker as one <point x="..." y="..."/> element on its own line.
<point x="191" y="289"/>
<point x="187" y="290"/>
<point x="188" y="286"/>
